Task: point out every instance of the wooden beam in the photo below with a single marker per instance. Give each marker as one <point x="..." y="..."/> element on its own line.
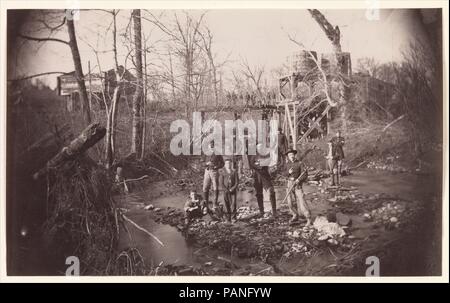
<point x="289" y="119"/>
<point x="314" y="125"/>
<point x="294" y="134"/>
<point x="288" y="102"/>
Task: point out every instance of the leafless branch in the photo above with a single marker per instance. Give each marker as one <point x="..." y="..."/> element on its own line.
<point x="43" y="39"/>
<point x="36" y="75"/>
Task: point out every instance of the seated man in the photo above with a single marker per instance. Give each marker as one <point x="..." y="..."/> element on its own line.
<point x="194" y="207"/>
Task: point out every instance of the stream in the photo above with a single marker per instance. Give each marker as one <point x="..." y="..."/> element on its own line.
<point x="177" y="251"/>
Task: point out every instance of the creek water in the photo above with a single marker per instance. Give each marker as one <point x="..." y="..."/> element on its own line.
<point x="177" y="250"/>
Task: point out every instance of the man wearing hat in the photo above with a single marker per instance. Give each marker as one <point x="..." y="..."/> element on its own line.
<point x="296" y="174"/>
<point x="229" y="182"/>
<point x="335" y="157"/>
<point x="211" y="176"/>
<point x="262" y="180"/>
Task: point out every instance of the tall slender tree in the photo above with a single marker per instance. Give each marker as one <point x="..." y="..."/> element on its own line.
<point x="136" y="135"/>
<point x="79" y="71"/>
<point x="53" y="22"/>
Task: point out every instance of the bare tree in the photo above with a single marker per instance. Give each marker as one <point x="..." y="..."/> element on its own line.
<point x="333" y="33"/>
<point x="254" y="75"/>
<point x="323" y="88"/>
<point x="185" y="38"/>
<point x="415" y="83"/>
<point x="368" y="66"/>
<point x="116" y="81"/>
<point x="112" y="111"/>
<point x="51" y="23"/>
<point x="79" y="71"/>
<point x="136" y="135"/>
<point x="207" y="39"/>
<point x="172" y="78"/>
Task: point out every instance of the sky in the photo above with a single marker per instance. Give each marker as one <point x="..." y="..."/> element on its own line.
<point x="259" y="36"/>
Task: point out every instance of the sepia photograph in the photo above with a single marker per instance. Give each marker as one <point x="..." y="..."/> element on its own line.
<point x="275" y="142"/>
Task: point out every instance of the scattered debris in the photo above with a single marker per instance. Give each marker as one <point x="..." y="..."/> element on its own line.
<point x="325" y="228"/>
<point x="393" y="214"/>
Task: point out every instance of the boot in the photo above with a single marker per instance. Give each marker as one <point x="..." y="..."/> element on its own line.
<point x="260" y="200"/>
<point x="332" y="180"/>
<point x="294" y="218"/>
<point x="216" y="198"/>
<point x="273" y="203"/>
<point x="206" y="197"/>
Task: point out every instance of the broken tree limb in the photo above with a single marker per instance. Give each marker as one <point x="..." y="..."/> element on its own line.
<point x="359" y="165"/>
<point x="314" y="125"/>
<point x="142" y="229"/>
<point x="332" y="33"/>
<point x="157" y="170"/>
<point x="137" y="179"/>
<point x="88" y="137"/>
<point x="393" y="122"/>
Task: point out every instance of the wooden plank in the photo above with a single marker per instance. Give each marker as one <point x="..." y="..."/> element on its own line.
<point x="283" y="103"/>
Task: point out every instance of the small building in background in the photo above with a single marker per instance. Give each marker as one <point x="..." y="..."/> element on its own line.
<point x="99" y="87"/>
<point x="375" y="93"/>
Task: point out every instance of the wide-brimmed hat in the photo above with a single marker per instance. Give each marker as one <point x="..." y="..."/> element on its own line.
<point x="291" y="151"/>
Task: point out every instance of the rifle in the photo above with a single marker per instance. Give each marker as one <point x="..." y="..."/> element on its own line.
<point x="294" y="184"/>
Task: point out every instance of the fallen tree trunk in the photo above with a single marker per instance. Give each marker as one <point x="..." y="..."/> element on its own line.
<point x="88" y="137"/>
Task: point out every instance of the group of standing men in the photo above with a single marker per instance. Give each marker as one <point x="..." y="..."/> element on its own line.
<point x="220" y="173"/>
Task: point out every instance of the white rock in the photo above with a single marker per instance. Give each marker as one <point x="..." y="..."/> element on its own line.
<point x="332" y="241"/>
<point x="323" y="238"/>
<point x="149" y="207"/>
<point x="393" y="220"/>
